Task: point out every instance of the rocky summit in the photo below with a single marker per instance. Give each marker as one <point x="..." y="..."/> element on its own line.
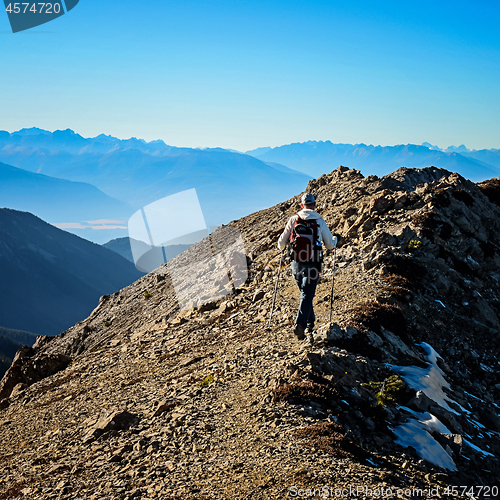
<point x="396" y="397"/>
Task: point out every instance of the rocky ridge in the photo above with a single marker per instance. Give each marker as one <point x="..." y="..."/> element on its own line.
<point x="142" y="400"/>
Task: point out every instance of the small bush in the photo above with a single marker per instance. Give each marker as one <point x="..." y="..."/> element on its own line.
<point x="107" y="323"/>
<point x="329" y="437"/>
<point x="398" y="286"/>
<point x="147" y="295"/>
<point x="373" y="315"/>
<point x="408" y="269"/>
<point x="414" y="245"/>
<point x="396" y="280"/>
<point x="305" y="392"/>
<point x="208" y="380"/>
<point x="391" y="391"/>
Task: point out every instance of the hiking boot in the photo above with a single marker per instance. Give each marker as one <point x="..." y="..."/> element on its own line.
<point x="310" y="329"/>
<point x="299" y="331"/>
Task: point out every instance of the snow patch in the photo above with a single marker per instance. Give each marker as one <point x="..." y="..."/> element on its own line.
<point x="429" y="380"/>
<point x="417" y="431"/>
<point x="414" y="433"/>
<point x="432" y="423"/>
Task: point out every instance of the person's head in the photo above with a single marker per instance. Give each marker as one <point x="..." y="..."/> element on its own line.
<point x="308" y="201"/>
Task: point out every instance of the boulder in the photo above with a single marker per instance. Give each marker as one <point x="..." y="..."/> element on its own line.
<point x="258" y="295"/>
<point x="164" y="406"/>
<point x="14" y="374"/>
<point x="29" y="367"/>
<point x="117" y="421"/>
<point x="450" y="442"/>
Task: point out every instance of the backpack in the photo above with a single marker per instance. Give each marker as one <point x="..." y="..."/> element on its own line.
<point x="303" y="241"/>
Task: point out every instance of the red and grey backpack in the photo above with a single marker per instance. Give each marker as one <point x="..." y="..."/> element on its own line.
<point x="303" y="241"/>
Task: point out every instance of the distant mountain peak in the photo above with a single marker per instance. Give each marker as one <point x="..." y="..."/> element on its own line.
<point x="67" y="134"/>
<point x="104" y="136"/>
<point x="459" y="149"/>
<point x="32" y="131"/>
<point x="431" y="146"/>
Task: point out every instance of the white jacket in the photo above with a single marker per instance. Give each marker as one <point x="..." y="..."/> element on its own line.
<point x="324" y="233"/>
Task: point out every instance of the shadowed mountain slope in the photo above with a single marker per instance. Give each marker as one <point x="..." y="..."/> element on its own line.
<point x="18" y="336"/>
<point x="122" y="247"/>
<point x="489" y="156"/>
<point x="51" y="278"/>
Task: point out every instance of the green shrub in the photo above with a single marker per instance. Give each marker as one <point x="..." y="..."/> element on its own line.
<point x="389" y="392"/>
<point x="208" y="380"/>
<point x="414" y="245"/>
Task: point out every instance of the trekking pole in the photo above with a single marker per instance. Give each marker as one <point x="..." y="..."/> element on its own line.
<point x="333" y="281"/>
<point x="275" y="291"/>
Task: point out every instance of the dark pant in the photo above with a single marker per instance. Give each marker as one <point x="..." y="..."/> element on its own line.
<point x="306" y="276"/>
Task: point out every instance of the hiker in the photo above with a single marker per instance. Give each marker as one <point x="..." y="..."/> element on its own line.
<point x="304" y="232"/>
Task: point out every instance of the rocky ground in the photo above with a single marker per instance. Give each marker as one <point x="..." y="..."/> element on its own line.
<point x="144" y="400"/>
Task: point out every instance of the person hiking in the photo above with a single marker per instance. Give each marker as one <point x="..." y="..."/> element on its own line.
<point x="304" y="232"/>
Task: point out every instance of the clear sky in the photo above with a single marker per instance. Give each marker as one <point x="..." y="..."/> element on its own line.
<point x="260" y="73"/>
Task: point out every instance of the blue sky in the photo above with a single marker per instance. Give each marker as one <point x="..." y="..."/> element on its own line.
<point x="247" y="74"/>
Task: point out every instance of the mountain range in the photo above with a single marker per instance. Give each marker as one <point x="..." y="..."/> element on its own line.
<point x="91" y="186"/>
<point x="229" y="185"/>
<point x="491" y="156"/>
<point x="318" y="157"/>
<point x="51" y="278"/>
